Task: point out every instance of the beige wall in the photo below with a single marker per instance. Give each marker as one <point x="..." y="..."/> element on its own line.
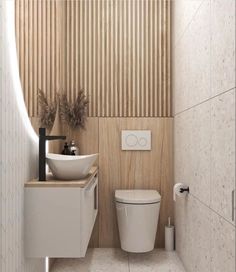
<point x="204" y="132"/>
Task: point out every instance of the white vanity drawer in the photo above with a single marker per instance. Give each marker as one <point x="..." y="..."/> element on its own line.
<point x="89" y="211"/>
<point x="59" y="220"/>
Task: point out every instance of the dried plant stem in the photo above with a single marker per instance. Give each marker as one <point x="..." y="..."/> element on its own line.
<point x="47" y="111"/>
<point x="74" y="114"/>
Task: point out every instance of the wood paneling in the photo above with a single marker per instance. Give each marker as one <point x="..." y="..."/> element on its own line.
<point x="133" y="170"/>
<point x="117" y="51"/>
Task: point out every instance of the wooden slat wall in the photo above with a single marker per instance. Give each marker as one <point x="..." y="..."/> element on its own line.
<point x="118" y="51"/>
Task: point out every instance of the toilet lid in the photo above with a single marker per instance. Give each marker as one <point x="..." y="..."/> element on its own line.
<point x="137" y="196"/>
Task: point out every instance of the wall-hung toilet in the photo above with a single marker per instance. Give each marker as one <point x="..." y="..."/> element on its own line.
<point x="137" y="216"/>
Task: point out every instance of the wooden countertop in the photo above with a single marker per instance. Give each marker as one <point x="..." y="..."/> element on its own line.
<point x="51" y="182"/>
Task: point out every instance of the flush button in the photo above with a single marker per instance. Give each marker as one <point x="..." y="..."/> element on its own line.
<point x="131" y="140"/>
<point x="143" y="141"/>
<point x="136" y="139"/>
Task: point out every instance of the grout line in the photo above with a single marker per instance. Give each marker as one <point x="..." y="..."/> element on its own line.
<point x="204" y="101"/>
<point x="210" y="116"/>
<point x="212" y="209"/>
<point x="187" y="26"/>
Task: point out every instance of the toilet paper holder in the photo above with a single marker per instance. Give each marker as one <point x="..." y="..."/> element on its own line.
<point x="181" y="190"/>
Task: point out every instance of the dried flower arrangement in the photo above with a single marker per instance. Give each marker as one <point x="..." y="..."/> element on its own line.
<point x="47" y="111"/>
<point x="74" y="114"/>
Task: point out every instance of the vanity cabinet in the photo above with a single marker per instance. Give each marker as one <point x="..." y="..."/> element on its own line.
<point x="59" y="216"/>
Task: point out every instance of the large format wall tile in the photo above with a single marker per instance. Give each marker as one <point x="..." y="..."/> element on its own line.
<point x="183" y="15"/>
<point x="204" y="240"/>
<point x="223" y="153"/>
<point x="222" y="245"/>
<point x="200" y="153"/>
<point x="198" y="36"/>
<point x="204" y="66"/>
<point x="181" y="224"/>
<point x="222" y="46"/>
<point x="192" y="150"/>
<point x="182" y="128"/>
<point x="198" y="236"/>
<point x="179" y="79"/>
<point x="192" y="64"/>
<point x="193" y="234"/>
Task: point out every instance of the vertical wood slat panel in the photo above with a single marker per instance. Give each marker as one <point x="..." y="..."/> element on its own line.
<point x="90" y="56"/>
<point x="168" y="56"/>
<point x="20" y="21"/>
<point x="117" y="51"/>
<point x="44" y="51"/>
<point x="26" y="52"/>
<point x="155" y="58"/>
<point x="35" y="58"/>
<point x="160" y="60"/>
<point x="94" y="85"/>
<point x="48" y="79"/>
<point x="53" y="50"/>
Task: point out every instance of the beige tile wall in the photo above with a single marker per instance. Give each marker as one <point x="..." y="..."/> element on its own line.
<point x="204" y="132"/>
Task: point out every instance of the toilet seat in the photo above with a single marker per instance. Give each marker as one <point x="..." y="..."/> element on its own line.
<point x="137" y="196"/>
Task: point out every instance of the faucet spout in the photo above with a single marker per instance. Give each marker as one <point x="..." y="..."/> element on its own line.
<point x="50" y="138"/>
<point x="42" y="151"/>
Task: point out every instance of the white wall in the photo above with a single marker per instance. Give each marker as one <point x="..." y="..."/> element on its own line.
<point x="18" y="149"/>
<point x="204" y="102"/>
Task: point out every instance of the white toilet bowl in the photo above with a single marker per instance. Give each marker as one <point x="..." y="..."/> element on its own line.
<point x="137" y="215"/>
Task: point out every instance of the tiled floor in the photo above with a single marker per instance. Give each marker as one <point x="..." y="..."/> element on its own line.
<point x="115" y="260"/>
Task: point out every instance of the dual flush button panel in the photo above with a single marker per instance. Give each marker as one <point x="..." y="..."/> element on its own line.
<point x="136" y="139"/>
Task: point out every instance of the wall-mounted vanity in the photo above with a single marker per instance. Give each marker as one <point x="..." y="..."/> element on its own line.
<point x="59" y="216"/>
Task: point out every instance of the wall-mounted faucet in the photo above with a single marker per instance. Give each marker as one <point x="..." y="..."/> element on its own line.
<point x="42" y="152"/>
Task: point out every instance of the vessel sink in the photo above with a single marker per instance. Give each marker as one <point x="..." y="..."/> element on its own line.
<point x="66" y="167"/>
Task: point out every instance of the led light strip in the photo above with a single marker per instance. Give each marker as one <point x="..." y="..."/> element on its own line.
<point x="14" y="69"/>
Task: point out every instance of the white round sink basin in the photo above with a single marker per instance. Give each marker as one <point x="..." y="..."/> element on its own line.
<point x="66" y="167"/>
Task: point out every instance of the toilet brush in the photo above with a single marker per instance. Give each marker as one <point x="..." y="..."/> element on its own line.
<point x="169" y="236"/>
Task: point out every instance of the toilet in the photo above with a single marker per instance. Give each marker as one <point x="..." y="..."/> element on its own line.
<point x="137" y="216"/>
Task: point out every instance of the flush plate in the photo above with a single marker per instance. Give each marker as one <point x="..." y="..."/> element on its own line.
<point x="136" y="139"/>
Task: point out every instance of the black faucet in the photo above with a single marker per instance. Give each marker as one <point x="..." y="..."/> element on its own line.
<point x="42" y="153"/>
